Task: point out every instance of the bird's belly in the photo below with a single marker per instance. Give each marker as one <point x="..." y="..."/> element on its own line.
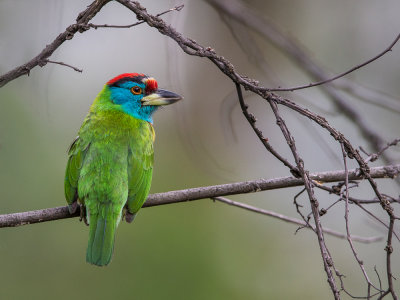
<point x="103" y="178"/>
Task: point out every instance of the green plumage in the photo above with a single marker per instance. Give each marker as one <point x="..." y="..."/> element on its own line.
<point x="109" y="168"/>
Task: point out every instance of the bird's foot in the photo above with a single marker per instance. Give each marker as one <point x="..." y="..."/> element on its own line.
<point x="82" y="214"/>
<point x="72" y="207"/>
<point x="129" y="217"/>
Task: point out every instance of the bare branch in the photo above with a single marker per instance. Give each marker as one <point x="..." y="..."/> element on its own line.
<point x="326" y="257"/>
<point x="81" y="25"/>
<point x="359" y="203"/>
<point x="377" y="98"/>
<point x="242" y="13"/>
<point x="62" y="64"/>
<point x="252" y="121"/>
<point x="389" y="251"/>
<point x="346" y="217"/>
<point x="51" y="214"/>
<point x="375" y="156"/>
<point x="388" y="49"/>
<point x="294" y="220"/>
<point x="95" y="26"/>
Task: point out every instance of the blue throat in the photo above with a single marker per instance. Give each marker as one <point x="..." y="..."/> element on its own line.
<point x="130" y="103"/>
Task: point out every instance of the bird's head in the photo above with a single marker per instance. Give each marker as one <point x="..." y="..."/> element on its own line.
<point x="138" y="95"/>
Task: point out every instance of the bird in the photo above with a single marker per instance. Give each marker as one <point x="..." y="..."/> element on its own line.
<point x="110" y="164"/>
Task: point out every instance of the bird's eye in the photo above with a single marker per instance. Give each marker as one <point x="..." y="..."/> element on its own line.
<point x="136" y="90"/>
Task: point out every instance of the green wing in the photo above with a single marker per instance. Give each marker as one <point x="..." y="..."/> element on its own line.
<point x="76" y="152"/>
<point x="140" y="171"/>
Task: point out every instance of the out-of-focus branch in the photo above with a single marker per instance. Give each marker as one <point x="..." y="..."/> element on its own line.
<point x="368" y="95"/>
<point x="242" y="13"/>
<point x="375" y="156"/>
<point x="388" y="49"/>
<point x="51" y="214"/>
<point x="191" y="47"/>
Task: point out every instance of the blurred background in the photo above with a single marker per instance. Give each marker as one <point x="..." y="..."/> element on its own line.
<point x="201" y="249"/>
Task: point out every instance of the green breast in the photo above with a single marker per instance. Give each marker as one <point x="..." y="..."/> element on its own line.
<point x="114" y="140"/>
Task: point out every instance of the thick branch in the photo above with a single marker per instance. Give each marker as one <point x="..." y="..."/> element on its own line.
<point x="51" y="214"/>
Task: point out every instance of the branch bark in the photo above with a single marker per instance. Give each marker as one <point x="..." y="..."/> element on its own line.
<point x="57" y="213"/>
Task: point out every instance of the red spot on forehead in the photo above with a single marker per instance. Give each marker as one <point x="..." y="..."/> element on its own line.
<point x="125" y="75"/>
<point x="151" y="85"/>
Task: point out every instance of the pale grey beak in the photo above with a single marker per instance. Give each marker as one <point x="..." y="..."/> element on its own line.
<point x="161" y="97"/>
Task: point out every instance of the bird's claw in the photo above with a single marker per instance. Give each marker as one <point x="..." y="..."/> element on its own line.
<point x="129" y="217"/>
<point x="82" y="214"/>
<point x="72" y="207"/>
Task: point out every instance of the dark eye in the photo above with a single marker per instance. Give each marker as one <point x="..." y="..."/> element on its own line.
<point x="136" y="90"/>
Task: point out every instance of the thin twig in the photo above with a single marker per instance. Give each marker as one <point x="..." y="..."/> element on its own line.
<point x="326" y="257"/>
<point x="295" y="221"/>
<point x="346" y="217"/>
<point x="368" y="95"/>
<point x="389" y="251"/>
<point x="375" y="156"/>
<point x="252" y="121"/>
<point x="291" y="89"/>
<point x="242" y="13"/>
<point x="80" y="26"/>
<point x="95" y="26"/>
<point x="190" y="47"/>
<point x="357" y="202"/>
<point x="298" y="206"/>
<point x="62" y="64"/>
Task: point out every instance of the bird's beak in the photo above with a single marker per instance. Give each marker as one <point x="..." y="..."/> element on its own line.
<point x="160" y="97"/>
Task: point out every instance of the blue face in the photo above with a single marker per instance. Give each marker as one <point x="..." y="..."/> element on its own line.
<point x="129" y="95"/>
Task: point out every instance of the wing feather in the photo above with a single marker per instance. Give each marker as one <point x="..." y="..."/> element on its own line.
<point x="140" y="171"/>
<point x="77" y="152"/>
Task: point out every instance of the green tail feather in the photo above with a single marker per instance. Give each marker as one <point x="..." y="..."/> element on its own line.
<point x="101" y="239"/>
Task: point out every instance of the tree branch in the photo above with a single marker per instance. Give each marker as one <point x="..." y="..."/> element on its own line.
<point x="57" y="213"/>
<point x="242" y="13"/>
<point x="81" y="25"/>
<point x="326" y="257"/>
<point x="291" y="89"/>
<point x="60" y="63"/>
<point x="95" y="26"/>
<point x="294" y="220"/>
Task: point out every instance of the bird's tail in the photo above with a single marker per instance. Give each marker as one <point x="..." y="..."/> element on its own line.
<point x="101" y="236"/>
